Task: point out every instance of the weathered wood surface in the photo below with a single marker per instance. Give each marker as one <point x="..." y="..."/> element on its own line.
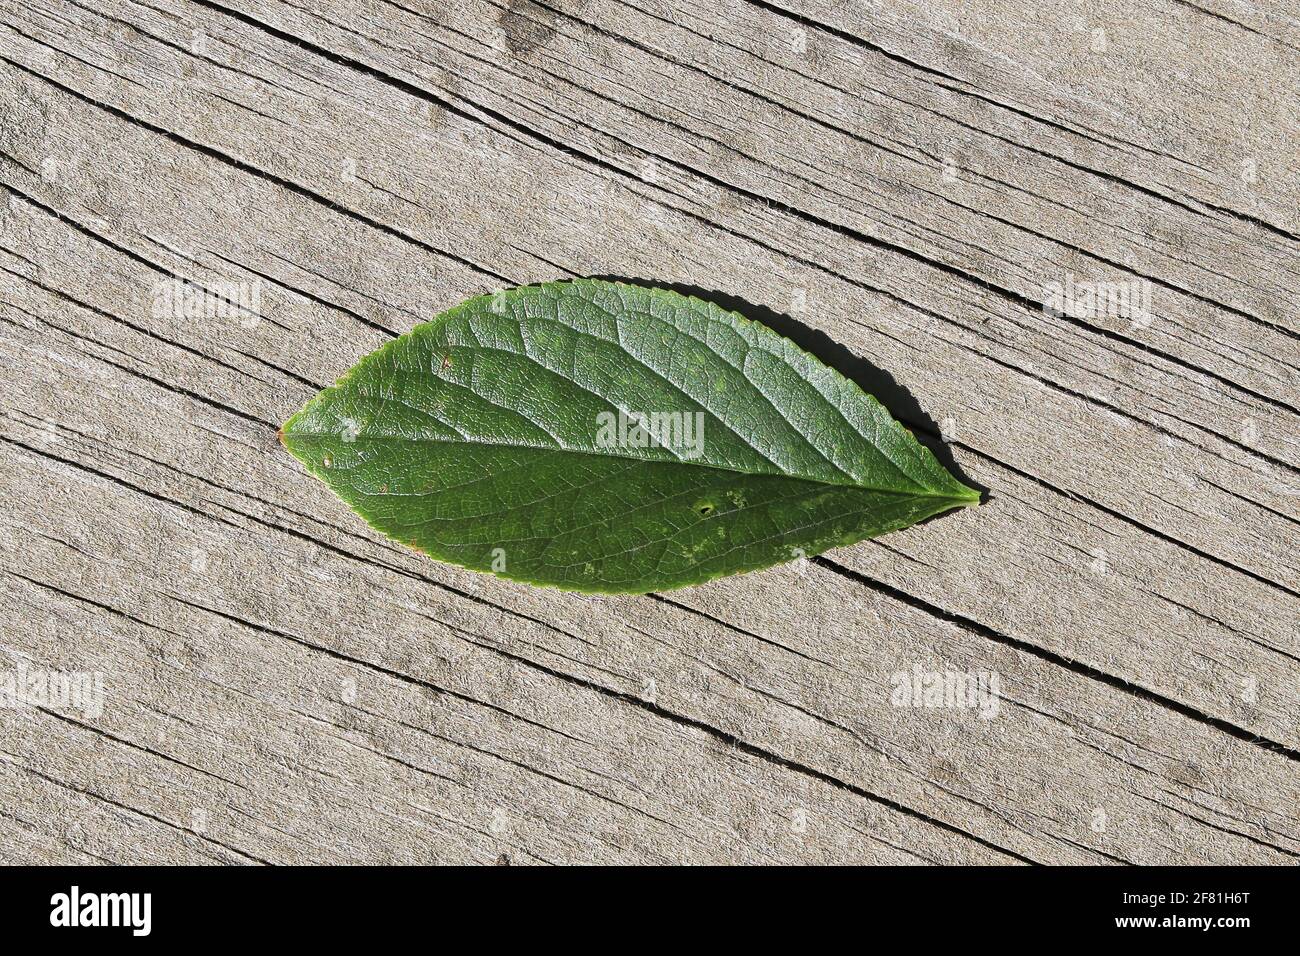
<point x="904" y="180"/>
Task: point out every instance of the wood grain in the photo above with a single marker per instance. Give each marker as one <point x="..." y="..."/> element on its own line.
<point x="896" y="186"/>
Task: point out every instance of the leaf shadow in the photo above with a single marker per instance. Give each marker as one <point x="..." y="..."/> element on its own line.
<point x="872" y="379"/>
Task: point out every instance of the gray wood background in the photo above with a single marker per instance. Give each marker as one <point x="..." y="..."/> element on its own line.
<point x="212" y="208"/>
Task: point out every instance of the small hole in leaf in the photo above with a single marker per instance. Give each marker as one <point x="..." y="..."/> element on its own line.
<point x="704" y="508"/>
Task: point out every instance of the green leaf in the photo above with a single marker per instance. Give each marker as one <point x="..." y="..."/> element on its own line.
<point x="596" y="436"/>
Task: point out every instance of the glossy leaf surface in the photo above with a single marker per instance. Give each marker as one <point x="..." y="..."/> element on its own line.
<point x="596" y="436"/>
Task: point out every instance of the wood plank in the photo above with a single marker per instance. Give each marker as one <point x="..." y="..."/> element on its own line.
<point x="287" y="687"/>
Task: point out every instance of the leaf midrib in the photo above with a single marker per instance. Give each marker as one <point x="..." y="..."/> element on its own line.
<point x="286" y="435"/>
